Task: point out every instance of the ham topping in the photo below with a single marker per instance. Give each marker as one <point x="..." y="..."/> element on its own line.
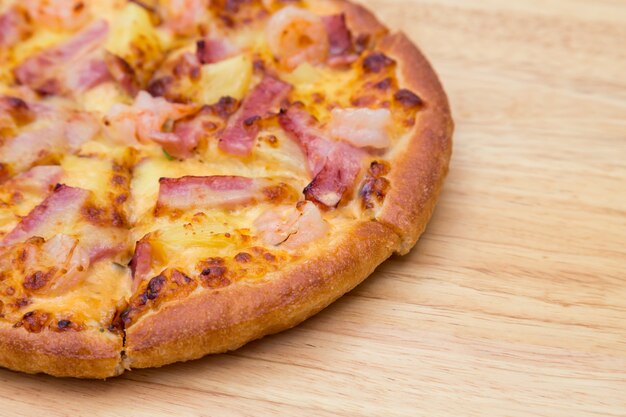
<point x="184" y="17"/>
<point x="141" y="264"/>
<point x="361" y="127"/>
<point x="59" y="209"/>
<point x="217" y="192"/>
<point x="70" y="68"/>
<point x="65" y="131"/>
<point x="210" y="51"/>
<point x="13" y="27"/>
<point x="241" y="131"/>
<point x="122" y="72"/>
<point x="341" y="51"/>
<point x="291" y="227"/>
<point x="56" y="266"/>
<point x="38" y="179"/>
<point x="333" y="165"/>
<point x="58" y="261"/>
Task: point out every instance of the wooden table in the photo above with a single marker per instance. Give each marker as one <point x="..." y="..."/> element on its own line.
<point x="514" y="301"/>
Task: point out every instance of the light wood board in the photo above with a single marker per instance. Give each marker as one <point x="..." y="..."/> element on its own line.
<point x="514" y="301"/>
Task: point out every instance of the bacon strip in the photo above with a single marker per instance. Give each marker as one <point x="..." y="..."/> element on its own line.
<point x="141" y="263"/>
<point x="58" y="209"/>
<point x="210" y="51"/>
<point x="334" y="166"/>
<point x="341" y="51"/>
<point x="36" y="180"/>
<point x="186" y="135"/>
<point x="122" y="72"/>
<point x="242" y="129"/>
<point x="339" y="36"/>
<point x="73" y="67"/>
<point x="13" y="27"/>
<point x="216" y="192"/>
<point x="65" y="132"/>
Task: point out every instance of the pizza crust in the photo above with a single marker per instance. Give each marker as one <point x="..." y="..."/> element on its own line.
<point x="223" y="320"/>
<point x="86" y="354"/>
<point x="219" y="321"/>
<point x="417" y="176"/>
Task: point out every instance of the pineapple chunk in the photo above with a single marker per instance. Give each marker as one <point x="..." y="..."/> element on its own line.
<point x="134" y="38"/>
<point x="91" y="174"/>
<point x="230" y="77"/>
<point x="102" y="97"/>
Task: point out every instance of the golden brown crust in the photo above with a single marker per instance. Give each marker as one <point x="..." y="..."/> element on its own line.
<point x="87" y="354"/>
<point x="223" y="320"/>
<point x="418" y="173"/>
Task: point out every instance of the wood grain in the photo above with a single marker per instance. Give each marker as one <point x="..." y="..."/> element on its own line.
<point x="512" y="304"/>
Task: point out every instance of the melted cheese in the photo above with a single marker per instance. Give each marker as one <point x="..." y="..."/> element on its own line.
<point x="95" y="301"/>
<point x="181" y="242"/>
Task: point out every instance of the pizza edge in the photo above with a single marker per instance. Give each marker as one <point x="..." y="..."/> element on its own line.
<point x="63" y="354"/>
<point x="223" y="320"/>
<point x="417" y="178"/>
<point x="418" y="175"/>
<point x="164" y="337"/>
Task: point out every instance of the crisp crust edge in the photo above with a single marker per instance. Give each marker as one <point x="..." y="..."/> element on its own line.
<point x="418" y="174"/>
<point x="220" y="321"/>
<point x="87" y="354"/>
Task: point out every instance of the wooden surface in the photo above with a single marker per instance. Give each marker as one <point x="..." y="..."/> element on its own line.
<point x="512" y="304"/>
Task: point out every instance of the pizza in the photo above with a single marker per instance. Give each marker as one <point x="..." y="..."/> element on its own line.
<point x="180" y="177"/>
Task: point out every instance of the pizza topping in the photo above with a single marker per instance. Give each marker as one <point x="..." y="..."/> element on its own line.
<point x="296" y="36"/>
<point x="216" y="192"/>
<point x="58" y="14"/>
<point x="56" y="266"/>
<point x="341" y="169"/>
<point x="40" y="179"/>
<point x="361" y="127"/>
<point x="210" y="50"/>
<point x="189" y="132"/>
<point x="376" y="62"/>
<point x="14" y="27"/>
<point x="65" y="132"/>
<point x="123" y="73"/>
<point x="291" y="227"/>
<point x="59" y="208"/>
<point x="141" y="264"/>
<point x="341" y="51"/>
<point x="146" y="120"/>
<point x="185" y="17"/>
<point x="70" y="68"/>
<point x="241" y="131"/>
<point x="334" y="166"/>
